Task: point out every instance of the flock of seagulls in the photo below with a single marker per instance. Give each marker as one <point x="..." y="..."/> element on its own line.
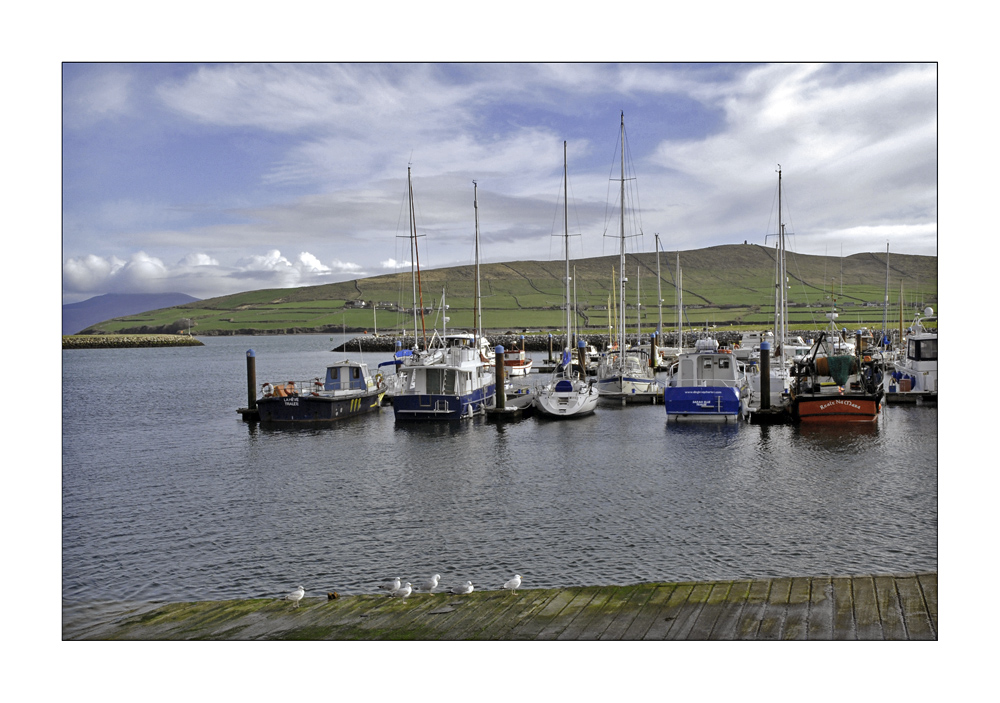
<point x="397" y="588"/>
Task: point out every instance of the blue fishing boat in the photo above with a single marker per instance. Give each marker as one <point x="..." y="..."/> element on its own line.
<point x="706" y="385"/>
<point x="348" y="389"/>
<point x="450" y="383"/>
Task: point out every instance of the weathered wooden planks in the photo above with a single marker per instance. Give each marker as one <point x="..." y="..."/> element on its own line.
<point x="867" y="607"/>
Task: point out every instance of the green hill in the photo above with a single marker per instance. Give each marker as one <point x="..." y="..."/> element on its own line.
<point x="727" y="286"/>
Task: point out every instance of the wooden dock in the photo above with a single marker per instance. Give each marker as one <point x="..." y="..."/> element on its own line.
<point x="879" y="607"/>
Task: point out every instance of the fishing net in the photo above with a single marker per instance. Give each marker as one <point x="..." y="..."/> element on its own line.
<point x="840" y="368"/>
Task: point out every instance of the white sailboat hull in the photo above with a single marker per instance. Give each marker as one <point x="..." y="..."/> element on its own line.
<point x="559" y="400"/>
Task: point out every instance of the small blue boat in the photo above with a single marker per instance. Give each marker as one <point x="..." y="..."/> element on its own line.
<point x="706" y="385"/>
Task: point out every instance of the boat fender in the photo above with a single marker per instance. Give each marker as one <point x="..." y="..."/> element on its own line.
<point x="378" y="379"/>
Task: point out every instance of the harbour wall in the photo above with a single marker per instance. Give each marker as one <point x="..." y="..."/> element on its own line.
<point x="128" y="341"/>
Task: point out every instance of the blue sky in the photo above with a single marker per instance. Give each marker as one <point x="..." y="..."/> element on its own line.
<point x="209" y="179"/>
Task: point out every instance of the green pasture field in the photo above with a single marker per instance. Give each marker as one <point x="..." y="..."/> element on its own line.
<point x="730" y="286"/>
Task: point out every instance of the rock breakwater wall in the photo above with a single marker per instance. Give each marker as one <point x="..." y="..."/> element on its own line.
<point x="128" y="341"/>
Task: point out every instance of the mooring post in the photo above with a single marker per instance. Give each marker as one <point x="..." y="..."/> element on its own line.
<point x="765" y="375"/>
<point x="652" y="351"/>
<point x="501" y="392"/>
<point x="550" y="348"/>
<point x="581" y="352"/>
<point x="251" y="380"/>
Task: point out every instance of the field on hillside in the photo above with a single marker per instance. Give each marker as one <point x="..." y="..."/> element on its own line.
<point x="731" y="286"/>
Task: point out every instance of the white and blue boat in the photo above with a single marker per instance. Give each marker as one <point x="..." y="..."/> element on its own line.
<point x="450" y="385"/>
<point x="706" y="385"/>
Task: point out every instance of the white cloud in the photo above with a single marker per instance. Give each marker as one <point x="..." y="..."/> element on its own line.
<point x="196" y="274"/>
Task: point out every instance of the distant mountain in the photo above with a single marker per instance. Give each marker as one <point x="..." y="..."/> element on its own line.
<point x="79" y="316"/>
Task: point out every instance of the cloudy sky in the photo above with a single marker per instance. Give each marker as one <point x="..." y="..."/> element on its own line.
<point x="209" y="179"/>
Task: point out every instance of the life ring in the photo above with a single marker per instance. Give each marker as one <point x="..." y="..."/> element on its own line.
<point x="266" y="390"/>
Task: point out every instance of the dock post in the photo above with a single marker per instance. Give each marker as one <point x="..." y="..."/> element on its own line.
<point x="251" y="379"/>
<point x="550" y="348"/>
<point x="652" y="351"/>
<point x="501" y="391"/>
<point x="581" y="353"/>
<point x="765" y="375"/>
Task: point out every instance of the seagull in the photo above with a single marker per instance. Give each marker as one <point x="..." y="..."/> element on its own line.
<point x="391" y="586"/>
<point x="431" y="583"/>
<point x="404" y="591"/>
<point x="514" y="583"/>
<point x="296" y="595"/>
<point x="462" y="590"/>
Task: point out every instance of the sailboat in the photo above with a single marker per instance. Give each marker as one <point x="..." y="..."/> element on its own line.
<point x="625" y="372"/>
<point x="567" y="393"/>
<point x="449" y="380"/>
<point x="778" y="383"/>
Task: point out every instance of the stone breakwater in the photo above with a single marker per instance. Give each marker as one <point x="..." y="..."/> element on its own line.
<point x="540" y="342"/>
<point x="128" y="341"/>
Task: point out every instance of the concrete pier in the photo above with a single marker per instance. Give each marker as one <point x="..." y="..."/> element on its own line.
<point x="850" y="607"/>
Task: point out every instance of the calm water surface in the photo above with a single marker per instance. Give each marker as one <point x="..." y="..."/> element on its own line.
<point x="169" y="495"/>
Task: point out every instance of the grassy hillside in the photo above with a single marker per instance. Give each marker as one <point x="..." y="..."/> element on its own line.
<point x="728" y="286"/>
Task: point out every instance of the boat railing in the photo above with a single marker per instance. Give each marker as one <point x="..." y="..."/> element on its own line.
<point x="312" y="386"/>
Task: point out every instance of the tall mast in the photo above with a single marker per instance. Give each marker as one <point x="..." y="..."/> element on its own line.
<point x="782" y="277"/>
<point x="659" y="291"/>
<point x="413" y="256"/>
<point x="621" y="263"/>
<point x="477" y="312"/>
<point x="885" y="307"/>
<point x="416" y="259"/>
<point x="566" y="240"/>
<point x="680" y="305"/>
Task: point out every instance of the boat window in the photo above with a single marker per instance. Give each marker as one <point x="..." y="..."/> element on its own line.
<point x="435" y="380"/>
<point x="449" y="381"/>
<point x="334" y="374"/>
<point x="707" y="363"/>
<point x="356" y="372"/>
<point x="927" y="350"/>
<point x="723" y="363"/>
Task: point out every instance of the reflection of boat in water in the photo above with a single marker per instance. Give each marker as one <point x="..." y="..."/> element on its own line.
<point x="348" y="390"/>
<point x="706" y="385"/>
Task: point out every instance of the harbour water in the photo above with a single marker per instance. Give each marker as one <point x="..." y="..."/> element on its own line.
<point x="168" y="495"/>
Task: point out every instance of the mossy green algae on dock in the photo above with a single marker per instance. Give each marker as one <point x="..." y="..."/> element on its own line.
<point x="883" y="607"/>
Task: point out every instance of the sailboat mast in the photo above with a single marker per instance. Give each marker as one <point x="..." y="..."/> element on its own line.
<point x="413" y="256"/>
<point x="782" y="277"/>
<point x="659" y="290"/>
<point x="566" y="238"/>
<point x="477" y="312"/>
<point x="416" y="258"/>
<point x="885" y="307"/>
<point x="621" y="264"/>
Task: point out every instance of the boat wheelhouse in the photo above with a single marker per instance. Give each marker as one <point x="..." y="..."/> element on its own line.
<point x="706" y="385"/>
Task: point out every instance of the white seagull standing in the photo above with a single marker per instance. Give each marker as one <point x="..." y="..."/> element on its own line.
<point x="462" y="590"/>
<point x="392" y="586"/>
<point x="296" y="595"/>
<point x="431" y="583"/>
<point x="404" y="591"/>
<point x="514" y="583"/>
